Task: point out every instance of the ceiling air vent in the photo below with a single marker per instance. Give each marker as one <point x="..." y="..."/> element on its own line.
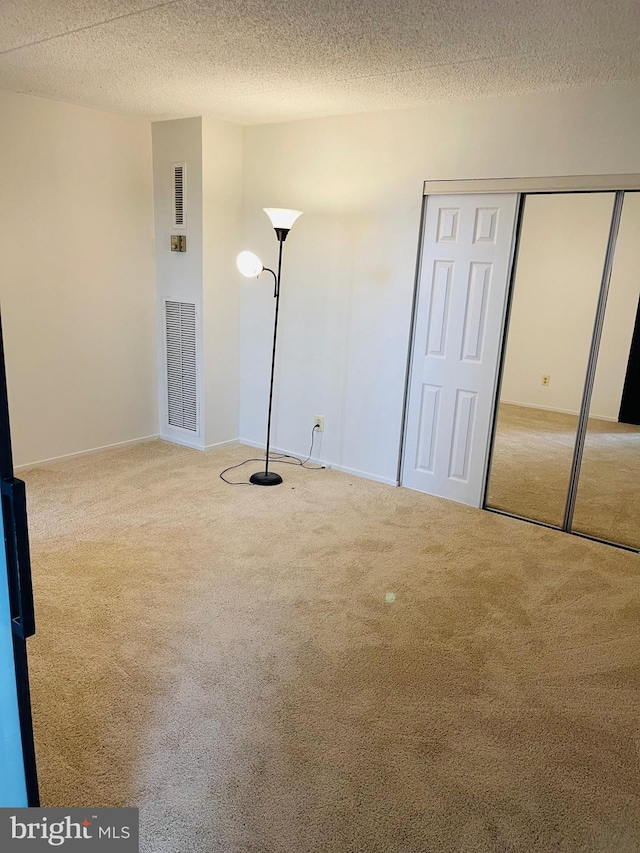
<point x="182" y="396"/>
<point x="179" y="177"/>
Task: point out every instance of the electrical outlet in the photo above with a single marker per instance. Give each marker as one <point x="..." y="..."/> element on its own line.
<point x="318" y="421"/>
<point x="546" y="379"/>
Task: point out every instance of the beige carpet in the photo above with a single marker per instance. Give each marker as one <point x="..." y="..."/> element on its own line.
<point x="532" y="463"/>
<point x="224" y="658"/>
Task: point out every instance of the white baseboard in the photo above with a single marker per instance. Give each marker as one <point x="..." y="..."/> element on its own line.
<point x="258" y="445"/>
<point x="281" y="452"/>
<point x="89" y="452"/>
<point x="355" y="473"/>
<point x="218" y="444"/>
<point x="183" y="442"/>
<point x="364" y="474"/>
<point x="560" y="411"/>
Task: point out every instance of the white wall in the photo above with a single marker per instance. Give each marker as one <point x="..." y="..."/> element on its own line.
<point x="560" y="263"/>
<point x="76" y="277"/>
<point x="558" y="277"/>
<point x="206" y="273"/>
<point x="350" y="260"/>
<point x="222" y="240"/>
<point x="619" y="318"/>
<point x="178" y="274"/>
<point x="76" y="282"/>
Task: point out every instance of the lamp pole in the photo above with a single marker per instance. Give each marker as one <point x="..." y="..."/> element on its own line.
<point x="266" y="477"/>
<point x="251" y="266"/>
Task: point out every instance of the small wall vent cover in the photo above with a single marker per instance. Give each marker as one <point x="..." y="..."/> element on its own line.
<point x="182" y="386"/>
<point x="179" y="178"/>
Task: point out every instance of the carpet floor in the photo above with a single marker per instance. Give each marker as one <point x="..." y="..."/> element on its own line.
<point x="532" y="462"/>
<point x="229" y="659"/>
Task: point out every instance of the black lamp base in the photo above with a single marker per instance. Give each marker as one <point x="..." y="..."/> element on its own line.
<point x="265" y="478"/>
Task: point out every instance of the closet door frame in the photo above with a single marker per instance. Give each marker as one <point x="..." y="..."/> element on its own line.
<point x="523" y="187"/>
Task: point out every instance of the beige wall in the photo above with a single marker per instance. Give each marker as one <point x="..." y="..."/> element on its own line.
<point x="350" y="261"/>
<point x="76" y="277"/>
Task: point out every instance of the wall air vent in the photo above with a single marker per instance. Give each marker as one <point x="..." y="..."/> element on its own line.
<point x="179" y="178"/>
<point x="182" y="386"/>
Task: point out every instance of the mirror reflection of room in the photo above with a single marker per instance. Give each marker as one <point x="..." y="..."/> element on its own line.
<point x="559" y="269"/>
<point x="608" y="498"/>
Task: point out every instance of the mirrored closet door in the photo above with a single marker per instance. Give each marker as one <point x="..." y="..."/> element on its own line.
<point x="562" y="246"/>
<point x="608" y="494"/>
<point x="565" y="450"/>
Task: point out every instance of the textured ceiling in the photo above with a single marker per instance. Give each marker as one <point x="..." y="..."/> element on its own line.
<point x="256" y="61"/>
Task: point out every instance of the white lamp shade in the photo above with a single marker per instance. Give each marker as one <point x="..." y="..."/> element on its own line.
<point x="249" y="264"/>
<point x="282" y="217"/>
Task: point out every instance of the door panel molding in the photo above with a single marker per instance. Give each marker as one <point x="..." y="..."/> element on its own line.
<point x="464" y="264"/>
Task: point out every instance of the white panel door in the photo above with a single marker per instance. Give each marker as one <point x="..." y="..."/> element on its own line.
<point x="466" y="255"/>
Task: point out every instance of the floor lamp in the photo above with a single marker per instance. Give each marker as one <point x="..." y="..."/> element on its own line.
<point x="251" y="266"/>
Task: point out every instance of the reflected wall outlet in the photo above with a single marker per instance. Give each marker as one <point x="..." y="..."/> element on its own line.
<point x="318" y="421"/>
<point x="546" y="379"/>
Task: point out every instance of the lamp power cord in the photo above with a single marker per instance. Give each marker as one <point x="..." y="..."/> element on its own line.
<point x="282" y="458"/>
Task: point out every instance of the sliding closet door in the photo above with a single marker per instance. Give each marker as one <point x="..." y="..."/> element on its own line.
<point x="608" y="497"/>
<point x="557" y="281"/>
<point x="466" y="255"/>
